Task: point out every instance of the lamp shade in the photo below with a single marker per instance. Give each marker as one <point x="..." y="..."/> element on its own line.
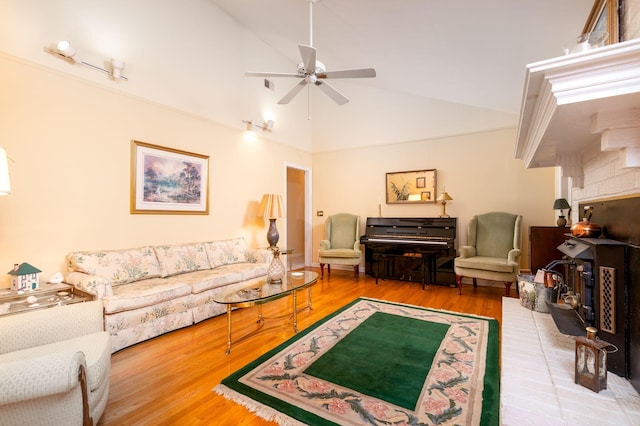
<point x="271" y="206"/>
<point x="444" y="197"/>
<point x="5" y="183"/>
<point x="561" y="204"/>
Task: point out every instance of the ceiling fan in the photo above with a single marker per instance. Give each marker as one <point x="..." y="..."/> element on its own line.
<point x="312" y="71"/>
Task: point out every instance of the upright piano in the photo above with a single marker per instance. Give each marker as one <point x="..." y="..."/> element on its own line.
<point x="411" y="248"/>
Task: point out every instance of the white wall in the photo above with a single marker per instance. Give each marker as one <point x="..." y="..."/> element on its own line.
<point x="69" y="142"/>
<point x="478" y="170"/>
<point x="190" y="57"/>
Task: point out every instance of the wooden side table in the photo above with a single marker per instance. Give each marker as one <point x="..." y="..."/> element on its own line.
<point x="543" y="243"/>
<point x="48" y="295"/>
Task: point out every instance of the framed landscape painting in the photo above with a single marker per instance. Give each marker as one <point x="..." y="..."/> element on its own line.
<point x="168" y="181"/>
<point x="417" y="186"/>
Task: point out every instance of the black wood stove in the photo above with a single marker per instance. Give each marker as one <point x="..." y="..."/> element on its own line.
<point x="597" y="275"/>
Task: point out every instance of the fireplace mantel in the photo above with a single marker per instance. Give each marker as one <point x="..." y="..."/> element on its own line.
<point x="579" y="102"/>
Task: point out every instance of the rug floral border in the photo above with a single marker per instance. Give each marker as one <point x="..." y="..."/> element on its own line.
<point x="462" y="386"/>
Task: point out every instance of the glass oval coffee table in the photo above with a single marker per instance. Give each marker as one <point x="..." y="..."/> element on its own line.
<point x="261" y="291"/>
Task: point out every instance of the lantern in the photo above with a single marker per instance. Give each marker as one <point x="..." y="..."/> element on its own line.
<point x="591" y="361"/>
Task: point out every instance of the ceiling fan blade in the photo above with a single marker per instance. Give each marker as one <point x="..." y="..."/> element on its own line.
<point x="308" y="54"/>
<point x="271" y="74"/>
<point x="331" y="92"/>
<point x="292" y="93"/>
<point x="357" y="73"/>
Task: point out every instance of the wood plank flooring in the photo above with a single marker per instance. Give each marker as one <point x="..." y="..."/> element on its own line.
<point x="168" y="380"/>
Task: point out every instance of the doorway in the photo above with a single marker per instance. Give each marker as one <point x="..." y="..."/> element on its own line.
<point x="298" y="216"/>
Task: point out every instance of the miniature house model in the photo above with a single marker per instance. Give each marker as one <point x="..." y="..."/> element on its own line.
<point x="24" y="277"/>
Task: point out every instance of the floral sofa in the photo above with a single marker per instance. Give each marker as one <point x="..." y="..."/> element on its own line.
<point x="151" y="290"/>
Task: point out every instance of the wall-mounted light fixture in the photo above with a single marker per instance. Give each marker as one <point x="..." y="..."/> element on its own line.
<point x="267" y="126"/>
<point x="65" y="50"/>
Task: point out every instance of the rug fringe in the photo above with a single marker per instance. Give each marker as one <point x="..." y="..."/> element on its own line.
<point x="260" y="410"/>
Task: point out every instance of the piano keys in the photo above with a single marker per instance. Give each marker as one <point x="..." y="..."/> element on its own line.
<point x="399" y="242"/>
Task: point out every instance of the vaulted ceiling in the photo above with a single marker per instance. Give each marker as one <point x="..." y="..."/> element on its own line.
<point x="460" y="62"/>
<point x="444" y="68"/>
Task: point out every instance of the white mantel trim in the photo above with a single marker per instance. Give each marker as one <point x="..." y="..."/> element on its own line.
<point x="578" y="84"/>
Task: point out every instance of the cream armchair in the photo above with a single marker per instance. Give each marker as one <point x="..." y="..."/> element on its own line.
<point x="54" y="366"/>
<point x="493" y="250"/>
<point x="342" y="243"/>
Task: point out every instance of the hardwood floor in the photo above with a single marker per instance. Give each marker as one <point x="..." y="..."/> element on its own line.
<point x="168" y="380"/>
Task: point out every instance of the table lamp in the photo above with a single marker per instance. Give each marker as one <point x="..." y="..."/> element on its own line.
<point x="561" y="204"/>
<point x="272" y="207"/>
<point x="443" y="198"/>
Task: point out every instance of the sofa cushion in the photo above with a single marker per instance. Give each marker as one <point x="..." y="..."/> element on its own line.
<point x="225" y="275"/>
<point x="145" y="293"/>
<point x="218" y="277"/>
<point x="493" y="264"/>
<point x="180" y="258"/>
<point x="342" y="253"/>
<point x="225" y="252"/>
<point x="117" y="266"/>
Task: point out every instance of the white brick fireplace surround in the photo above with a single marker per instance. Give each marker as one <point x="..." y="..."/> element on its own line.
<point x="537" y="378"/>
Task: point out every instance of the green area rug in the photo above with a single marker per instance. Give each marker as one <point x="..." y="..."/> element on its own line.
<point x="377" y="363"/>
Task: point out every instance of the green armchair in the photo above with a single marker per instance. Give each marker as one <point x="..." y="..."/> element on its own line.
<point x="493" y="250"/>
<point x="342" y="243"/>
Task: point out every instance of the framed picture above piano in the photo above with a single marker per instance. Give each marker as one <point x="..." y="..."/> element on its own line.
<point x="413" y="187"/>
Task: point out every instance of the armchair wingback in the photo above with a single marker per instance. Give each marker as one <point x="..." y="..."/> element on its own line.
<point x="341" y="245"/>
<point x="493" y="250"/>
<point x="54" y="366"/>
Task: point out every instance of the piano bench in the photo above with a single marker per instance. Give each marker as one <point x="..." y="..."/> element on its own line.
<point x="388" y="258"/>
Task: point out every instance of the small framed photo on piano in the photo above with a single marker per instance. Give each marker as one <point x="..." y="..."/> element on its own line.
<point x="416" y="186"/>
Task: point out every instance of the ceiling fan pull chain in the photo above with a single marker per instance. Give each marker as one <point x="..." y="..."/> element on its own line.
<point x="308" y="103"/>
<point x="311" y="23"/>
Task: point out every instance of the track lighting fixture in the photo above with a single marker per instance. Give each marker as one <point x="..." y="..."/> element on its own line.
<point x="65" y="50"/>
<point x="267" y="126"/>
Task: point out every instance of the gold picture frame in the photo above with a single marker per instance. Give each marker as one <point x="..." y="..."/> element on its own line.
<point x="412" y="187"/>
<point x="168" y="181"/>
<point x="604" y="16"/>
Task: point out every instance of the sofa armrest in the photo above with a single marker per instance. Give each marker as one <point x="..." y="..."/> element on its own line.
<point x="514" y="256"/>
<point x="467" y="251"/>
<point x="39" y="377"/>
<point x="92" y="284"/>
<point x="44" y="326"/>
<point x="325" y="244"/>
